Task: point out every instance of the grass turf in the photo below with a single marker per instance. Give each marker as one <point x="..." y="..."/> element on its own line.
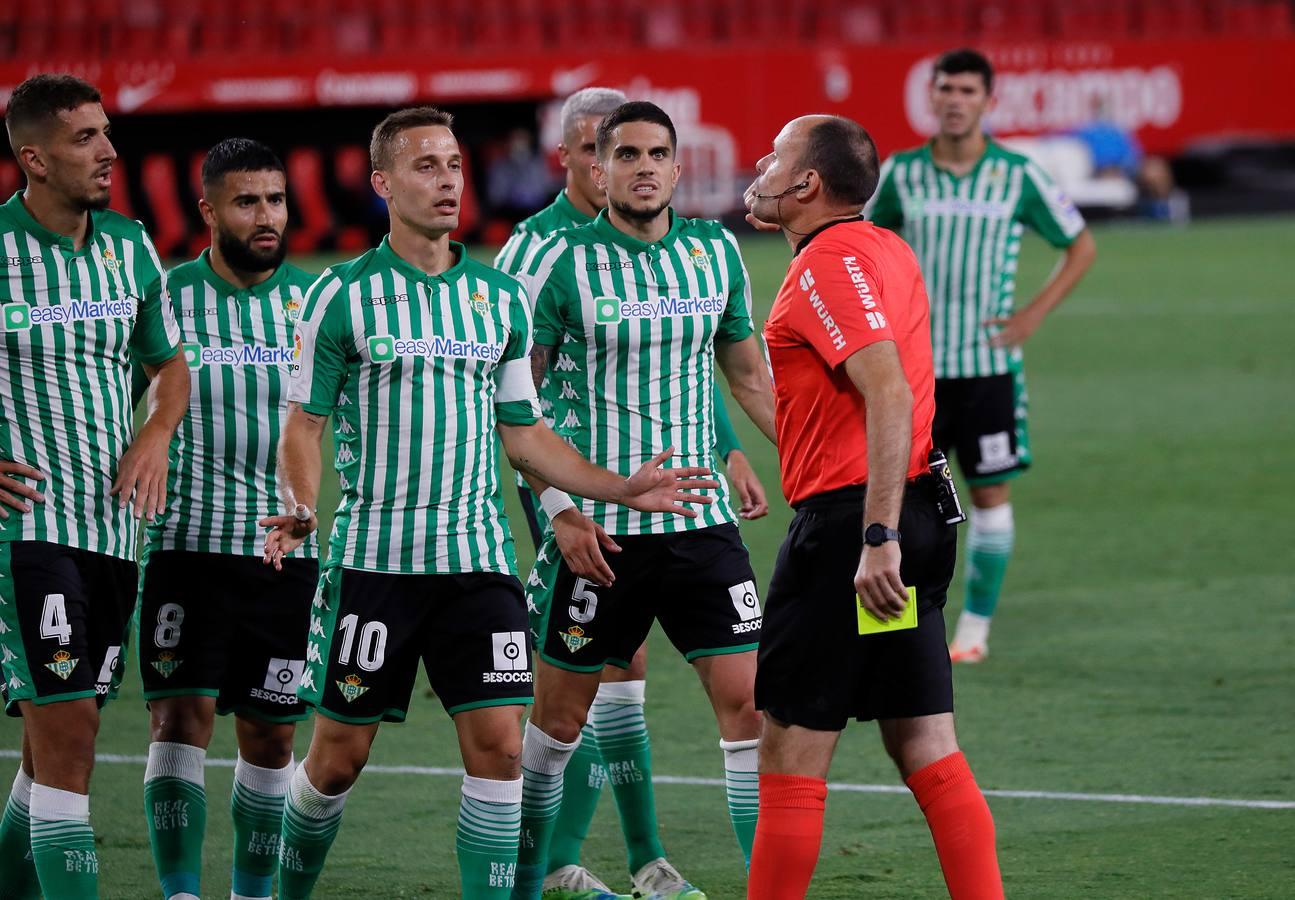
<point x="1144" y="643"/>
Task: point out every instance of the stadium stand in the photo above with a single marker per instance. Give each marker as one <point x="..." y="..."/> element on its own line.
<point x="141" y="28"/>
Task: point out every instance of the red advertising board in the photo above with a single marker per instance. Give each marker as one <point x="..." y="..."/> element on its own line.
<point x="1170" y="92"/>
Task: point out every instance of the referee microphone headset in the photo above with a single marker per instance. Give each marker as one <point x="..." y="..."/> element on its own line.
<point x="778" y="196"/>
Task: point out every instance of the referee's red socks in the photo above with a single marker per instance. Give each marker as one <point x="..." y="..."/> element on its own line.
<point x="963" y="829"/>
<point x="788" y="834"/>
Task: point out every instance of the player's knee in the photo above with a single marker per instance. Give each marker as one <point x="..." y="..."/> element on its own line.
<point x="333" y="772"/>
<point x="265" y="744"/>
<point x="179" y="723"/>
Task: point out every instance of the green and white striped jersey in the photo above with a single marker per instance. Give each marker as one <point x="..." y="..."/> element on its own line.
<point x="528" y="234"/>
<point x="74" y="322"/>
<point x="642" y="320"/>
<point x="238" y="344"/>
<point x="966" y="231"/>
<point x="513" y="257"/>
<point x="416" y="370"/>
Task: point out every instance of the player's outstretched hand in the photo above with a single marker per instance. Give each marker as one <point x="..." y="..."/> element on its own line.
<point x="141" y="473"/>
<point x="747" y="484"/>
<point x="582" y="542"/>
<point x="654" y="489"/>
<point x="878" y="584"/>
<point x="12" y="490"/>
<point x="286" y="534"/>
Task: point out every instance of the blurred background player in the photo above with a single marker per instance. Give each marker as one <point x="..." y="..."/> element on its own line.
<point x="618" y="707"/>
<point x="218" y="630"/>
<point x="83" y="299"/>
<point x="664" y="297"/>
<point x="849" y="345"/>
<point x="421" y="355"/>
<point x="962" y="202"/>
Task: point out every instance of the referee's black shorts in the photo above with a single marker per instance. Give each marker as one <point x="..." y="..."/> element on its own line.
<point x="815" y="669"/>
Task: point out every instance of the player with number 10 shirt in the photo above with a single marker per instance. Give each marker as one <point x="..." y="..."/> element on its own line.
<point x="420" y="355"/>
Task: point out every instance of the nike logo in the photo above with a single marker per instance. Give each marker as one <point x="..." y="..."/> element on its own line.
<point x="131" y="97"/>
<point x="568" y="81"/>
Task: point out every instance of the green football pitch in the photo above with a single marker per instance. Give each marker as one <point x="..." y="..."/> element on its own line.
<point x="1138" y="711"/>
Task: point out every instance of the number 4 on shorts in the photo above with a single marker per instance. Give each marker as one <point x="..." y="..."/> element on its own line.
<point x="53" y="620"/>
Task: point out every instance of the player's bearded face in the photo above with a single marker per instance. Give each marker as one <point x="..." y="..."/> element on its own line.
<point x="78" y="156"/>
<point x="251" y="211"/>
<point x="640" y="172"/>
<point x="959" y="101"/>
<point x="425" y="180"/>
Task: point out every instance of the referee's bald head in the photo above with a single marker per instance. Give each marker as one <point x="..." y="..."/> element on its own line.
<point x="841" y="151"/>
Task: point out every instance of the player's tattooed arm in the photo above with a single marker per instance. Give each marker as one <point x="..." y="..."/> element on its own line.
<point x="541" y="359"/>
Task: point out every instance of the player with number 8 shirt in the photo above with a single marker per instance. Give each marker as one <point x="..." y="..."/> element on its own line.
<point x="421" y="357"/>
<point x="218" y="630"/>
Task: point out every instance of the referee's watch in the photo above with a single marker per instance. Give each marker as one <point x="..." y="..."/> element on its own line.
<point x="877" y="534"/>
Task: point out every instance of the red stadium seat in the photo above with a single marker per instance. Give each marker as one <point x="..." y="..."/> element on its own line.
<point x="11" y="178"/>
<point x="306" y="188"/>
<point x="169" y="227"/>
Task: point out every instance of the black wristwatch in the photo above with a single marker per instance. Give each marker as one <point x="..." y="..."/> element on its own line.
<point x="877" y="534"/>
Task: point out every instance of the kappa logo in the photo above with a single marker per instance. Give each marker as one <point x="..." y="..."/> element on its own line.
<point x="345" y="455"/>
<point x="564" y="363"/>
<point x="571" y="420"/>
<point x="568" y="392"/>
<point x="63" y="664"/>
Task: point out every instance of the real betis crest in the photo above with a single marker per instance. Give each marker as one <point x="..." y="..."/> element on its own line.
<point x="292" y="309"/>
<point x="166" y="663"/>
<point x="574" y="638"/>
<point x="480" y="302"/>
<point x="109" y="260"/>
<point x="699" y="258"/>
<point x="62" y="665"/>
<point x="351" y="688"/>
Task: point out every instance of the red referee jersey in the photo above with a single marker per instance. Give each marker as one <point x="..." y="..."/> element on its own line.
<point x="850" y="284"/>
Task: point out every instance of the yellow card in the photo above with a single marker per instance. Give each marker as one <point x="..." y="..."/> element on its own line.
<point x="870" y="624"/>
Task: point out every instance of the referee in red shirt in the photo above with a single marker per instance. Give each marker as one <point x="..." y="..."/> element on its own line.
<point x="850" y="345"/>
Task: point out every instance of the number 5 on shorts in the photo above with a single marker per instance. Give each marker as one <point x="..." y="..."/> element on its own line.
<point x="586" y="602"/>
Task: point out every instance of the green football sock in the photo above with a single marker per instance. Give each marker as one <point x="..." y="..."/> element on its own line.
<point x="582" y="785"/>
<point x="742" y="783"/>
<point x="256" y="806"/>
<point x="543" y="761"/>
<point x="621" y="730"/>
<point x="175" y="806"/>
<point x="17" y="871"/>
<point x="310" y="823"/>
<point x="989" y="548"/>
<point x="62" y="844"/>
<point x="490" y="823"/>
